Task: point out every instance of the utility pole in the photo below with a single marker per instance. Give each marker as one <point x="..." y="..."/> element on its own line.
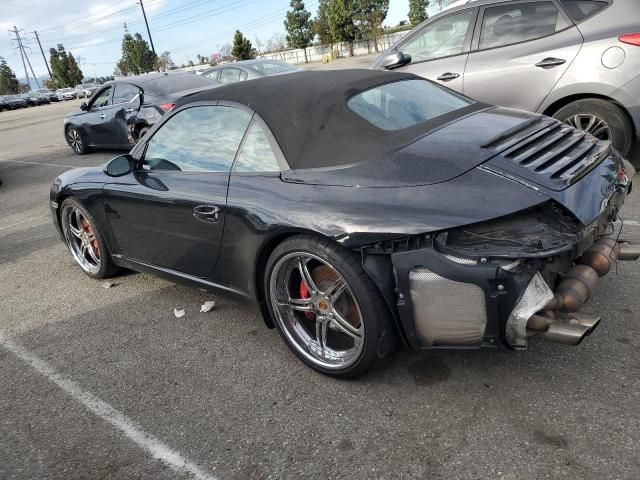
<point x="26" y="74"/>
<point x="148" y="31"/>
<point x="43" y="55"/>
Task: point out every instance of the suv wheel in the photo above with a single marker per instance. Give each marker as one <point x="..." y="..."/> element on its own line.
<point x="600" y="118"/>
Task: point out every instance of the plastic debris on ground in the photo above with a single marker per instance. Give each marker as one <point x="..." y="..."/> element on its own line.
<point x="207" y="306"/>
<point x="178" y="313"/>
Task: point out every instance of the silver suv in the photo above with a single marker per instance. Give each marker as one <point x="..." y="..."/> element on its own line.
<point x="576" y="60"/>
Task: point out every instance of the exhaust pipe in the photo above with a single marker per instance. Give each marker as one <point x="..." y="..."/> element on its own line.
<point x="566" y="333"/>
<point x="601" y="256"/>
<point x="586" y="321"/>
<point x="575" y="289"/>
<point x="629" y="252"/>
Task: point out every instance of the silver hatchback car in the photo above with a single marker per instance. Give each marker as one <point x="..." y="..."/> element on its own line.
<point x="576" y="60"/>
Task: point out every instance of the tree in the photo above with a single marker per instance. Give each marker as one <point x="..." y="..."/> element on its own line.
<point x="164" y="62"/>
<point x="299" y="27"/>
<point x="342" y="15"/>
<point x="418" y="11"/>
<point x="242" y="48"/>
<point x="137" y="57"/>
<point x="371" y="14"/>
<point x="74" y="72"/>
<point x="8" y="82"/>
<point x="65" y="71"/>
<point x="321" y="25"/>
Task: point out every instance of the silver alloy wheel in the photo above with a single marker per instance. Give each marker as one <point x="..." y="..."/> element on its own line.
<point x="81" y="239"/>
<point x="74" y="139"/>
<point x="590" y="124"/>
<point x="326" y="326"/>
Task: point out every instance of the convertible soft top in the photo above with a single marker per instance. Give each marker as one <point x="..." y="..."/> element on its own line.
<point x="307" y="112"/>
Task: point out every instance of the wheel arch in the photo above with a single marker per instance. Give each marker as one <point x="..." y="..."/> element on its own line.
<point x="554" y="107"/>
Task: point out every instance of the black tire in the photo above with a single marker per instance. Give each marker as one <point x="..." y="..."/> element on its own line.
<point x="106" y="268"/>
<point x="142" y="132"/>
<point x="621" y="131"/>
<point x="80" y="147"/>
<point x="379" y="338"/>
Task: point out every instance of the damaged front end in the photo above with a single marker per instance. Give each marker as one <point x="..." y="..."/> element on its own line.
<point x="496" y="283"/>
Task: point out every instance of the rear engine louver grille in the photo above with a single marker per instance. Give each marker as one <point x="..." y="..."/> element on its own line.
<point x="553" y="153"/>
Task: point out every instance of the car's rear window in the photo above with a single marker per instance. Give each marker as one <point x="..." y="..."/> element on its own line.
<point x="176" y="83"/>
<point x="398" y="105"/>
<point x="582" y="9"/>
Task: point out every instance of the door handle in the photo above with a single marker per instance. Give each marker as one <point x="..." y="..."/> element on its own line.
<point x="129" y="110"/>
<point x="207" y="213"/>
<point x="550" y="62"/>
<point x="447" y="77"/>
<point x="102" y="116"/>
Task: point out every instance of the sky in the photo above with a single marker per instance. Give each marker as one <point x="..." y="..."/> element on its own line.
<point x="92" y="30"/>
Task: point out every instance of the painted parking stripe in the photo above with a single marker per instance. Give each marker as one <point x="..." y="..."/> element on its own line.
<point x="633" y="223"/>
<point x="38" y="163"/>
<point x="26" y="220"/>
<point x="154" y="446"/>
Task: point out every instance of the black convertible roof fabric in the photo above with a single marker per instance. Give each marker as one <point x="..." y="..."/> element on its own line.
<point x="307" y="113"/>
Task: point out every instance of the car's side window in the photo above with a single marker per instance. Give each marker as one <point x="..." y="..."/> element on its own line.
<point x="582" y="9"/>
<point x="124" y="93"/>
<point x="243" y="76"/>
<point x="198" y="139"/>
<point x="256" y="154"/>
<point x="102" y="100"/>
<point x="442" y="38"/>
<point x="215" y="75"/>
<point x="508" y="24"/>
<point x="230" y="75"/>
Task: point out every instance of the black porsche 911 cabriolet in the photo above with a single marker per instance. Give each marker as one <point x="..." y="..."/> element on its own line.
<point x="360" y="208"/>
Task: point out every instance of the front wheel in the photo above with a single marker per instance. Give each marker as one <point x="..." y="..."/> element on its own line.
<point x="75" y="141"/>
<point x="602" y="119"/>
<point x="85" y="241"/>
<point x="326" y="308"/>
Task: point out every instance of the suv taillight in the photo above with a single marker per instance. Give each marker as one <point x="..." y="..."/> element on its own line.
<point x="631" y="39"/>
<point x="167" y="106"/>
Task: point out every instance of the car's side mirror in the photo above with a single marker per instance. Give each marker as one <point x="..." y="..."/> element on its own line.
<point x="394" y="60"/>
<point x="84" y="107"/>
<point x="120" y="166"/>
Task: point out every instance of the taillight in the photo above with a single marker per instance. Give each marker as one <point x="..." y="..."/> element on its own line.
<point x="167" y="106"/>
<point x="631" y="39"/>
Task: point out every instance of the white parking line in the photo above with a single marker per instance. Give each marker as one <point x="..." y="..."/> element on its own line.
<point x="6" y="227"/>
<point x="38" y="163"/>
<point x="151" y="444"/>
<point x="633" y="223"/>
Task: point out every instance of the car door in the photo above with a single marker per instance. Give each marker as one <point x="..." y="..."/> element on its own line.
<point x="520" y="50"/>
<point x="125" y="106"/>
<point x="170" y="212"/>
<point x="98" y="119"/>
<point x="439" y="49"/>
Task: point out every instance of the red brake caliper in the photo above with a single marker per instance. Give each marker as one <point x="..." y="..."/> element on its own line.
<point x="87" y="228"/>
<point x="304" y="293"/>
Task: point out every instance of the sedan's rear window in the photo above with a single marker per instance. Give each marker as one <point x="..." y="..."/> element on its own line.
<point x="399" y="105"/>
<point x="176" y="83"/>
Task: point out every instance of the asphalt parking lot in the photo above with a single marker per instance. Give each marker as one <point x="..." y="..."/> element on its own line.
<point x="107" y="383"/>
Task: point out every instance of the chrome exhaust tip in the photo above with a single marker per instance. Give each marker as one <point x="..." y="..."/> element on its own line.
<point x="586" y="321"/>
<point x="566" y="333"/>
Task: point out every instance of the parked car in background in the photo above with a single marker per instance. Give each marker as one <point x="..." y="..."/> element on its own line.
<point x="575" y="60"/>
<point x="85" y="90"/>
<point x="121" y="112"/>
<point x="33" y="99"/>
<point x="248" y="69"/>
<point x="3" y="105"/>
<point x="51" y="95"/>
<point x="15" y="101"/>
<point x="365" y="219"/>
<point x="66" y="94"/>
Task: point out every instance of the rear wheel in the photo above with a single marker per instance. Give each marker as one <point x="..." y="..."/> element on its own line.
<point x="76" y="141"/>
<point x="326" y="308"/>
<point x="600" y="118"/>
<point x="85" y="241"/>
